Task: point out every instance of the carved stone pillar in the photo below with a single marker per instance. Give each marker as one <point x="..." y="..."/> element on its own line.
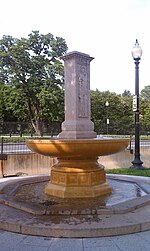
<point x="77" y="124"/>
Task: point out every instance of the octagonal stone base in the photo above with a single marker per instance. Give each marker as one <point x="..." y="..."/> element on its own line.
<point x="75" y="183"/>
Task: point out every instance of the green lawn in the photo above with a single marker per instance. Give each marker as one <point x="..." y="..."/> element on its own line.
<point x="128" y="171"/>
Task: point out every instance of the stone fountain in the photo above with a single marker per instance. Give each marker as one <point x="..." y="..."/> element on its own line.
<point x="77" y="174"/>
<point x="37" y="206"/>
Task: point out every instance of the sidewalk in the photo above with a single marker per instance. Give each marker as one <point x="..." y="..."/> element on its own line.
<point x="18" y="242"/>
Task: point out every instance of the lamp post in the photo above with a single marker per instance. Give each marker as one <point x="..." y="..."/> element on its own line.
<point x="107" y="119"/>
<point x="136" y="54"/>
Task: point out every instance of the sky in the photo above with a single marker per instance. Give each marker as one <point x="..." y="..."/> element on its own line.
<point x="104" y="29"/>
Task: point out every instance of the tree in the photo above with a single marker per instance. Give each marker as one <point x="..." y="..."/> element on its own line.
<point x="145" y="93"/>
<point x="4" y="113"/>
<point x="119" y="112"/>
<point x="147" y="115"/>
<point x="145" y="109"/>
<point x="126" y="93"/>
<point x="97" y="111"/>
<point x="2" y="108"/>
<point x="32" y="72"/>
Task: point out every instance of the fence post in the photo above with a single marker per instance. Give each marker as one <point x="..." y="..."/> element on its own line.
<point x="2" y="155"/>
<point x="131" y="150"/>
<point x="2" y="146"/>
<point x="2" y="158"/>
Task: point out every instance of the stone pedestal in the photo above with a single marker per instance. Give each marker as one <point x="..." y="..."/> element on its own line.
<point x="77" y="124"/>
<point x="77" y="178"/>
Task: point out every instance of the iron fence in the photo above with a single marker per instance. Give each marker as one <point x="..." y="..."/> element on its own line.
<point x="13" y="145"/>
<point x="25" y="128"/>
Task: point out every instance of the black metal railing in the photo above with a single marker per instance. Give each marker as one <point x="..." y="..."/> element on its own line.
<point x="24" y="128"/>
<point x="12" y="145"/>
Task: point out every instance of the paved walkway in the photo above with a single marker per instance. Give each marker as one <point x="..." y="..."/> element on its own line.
<point x="18" y="242"/>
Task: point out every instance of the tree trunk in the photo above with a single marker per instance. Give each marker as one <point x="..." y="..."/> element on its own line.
<point x="37" y="125"/>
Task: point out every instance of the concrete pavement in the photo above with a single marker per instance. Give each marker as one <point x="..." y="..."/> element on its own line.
<point x="17" y="242"/>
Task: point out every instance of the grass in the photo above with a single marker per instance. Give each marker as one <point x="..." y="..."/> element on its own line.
<point x="12" y="139"/>
<point x="143" y="137"/>
<point x="128" y="171"/>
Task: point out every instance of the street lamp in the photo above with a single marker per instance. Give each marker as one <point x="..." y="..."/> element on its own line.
<point x="107" y="121"/>
<point x="136" y="54"/>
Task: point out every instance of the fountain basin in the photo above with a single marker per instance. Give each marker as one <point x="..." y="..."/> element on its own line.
<point x="77" y="174"/>
<point x="72" y="148"/>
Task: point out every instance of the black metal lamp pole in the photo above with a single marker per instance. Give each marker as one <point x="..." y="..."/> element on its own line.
<point x="137" y="53"/>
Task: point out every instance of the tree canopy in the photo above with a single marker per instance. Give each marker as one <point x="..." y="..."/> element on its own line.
<point x="119" y="112"/>
<point x="31" y="77"/>
<point x="145" y="93"/>
<point x="126" y="93"/>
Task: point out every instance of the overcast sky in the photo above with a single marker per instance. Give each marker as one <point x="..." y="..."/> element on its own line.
<point x="104" y="29"/>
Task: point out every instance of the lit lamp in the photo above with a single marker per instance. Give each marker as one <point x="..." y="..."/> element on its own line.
<point x="107" y="122"/>
<point x="136" y="54"/>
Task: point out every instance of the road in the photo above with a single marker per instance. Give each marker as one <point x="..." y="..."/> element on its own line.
<point x="14" y="148"/>
<point x="143" y="143"/>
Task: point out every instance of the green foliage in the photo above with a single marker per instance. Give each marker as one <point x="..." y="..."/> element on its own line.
<point x="6" y="114"/>
<point x="12" y="139"/>
<point x="128" y="171"/>
<point x="119" y="112"/>
<point x="145" y="108"/>
<point x="126" y="93"/>
<point x="145" y="93"/>
<point x="32" y="72"/>
<point x="2" y="108"/>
